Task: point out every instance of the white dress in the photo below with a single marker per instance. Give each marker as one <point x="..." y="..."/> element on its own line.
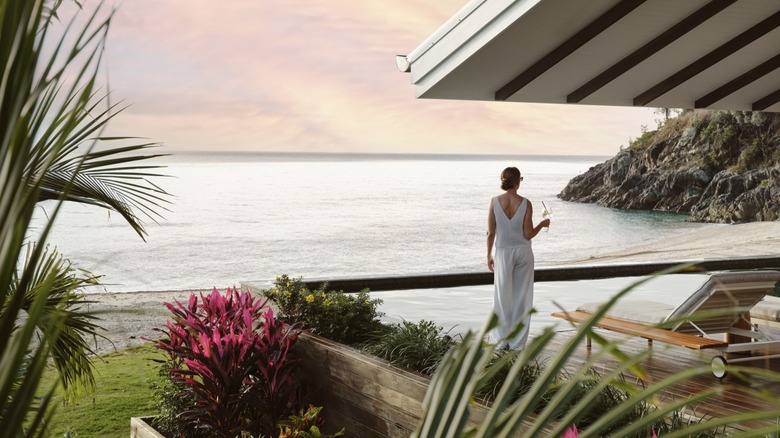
<point x="513" y="277"/>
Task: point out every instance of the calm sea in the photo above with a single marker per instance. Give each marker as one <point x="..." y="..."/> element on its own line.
<point x="251" y="217"/>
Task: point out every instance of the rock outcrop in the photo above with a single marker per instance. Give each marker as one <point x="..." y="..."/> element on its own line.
<point x="715" y="166"/>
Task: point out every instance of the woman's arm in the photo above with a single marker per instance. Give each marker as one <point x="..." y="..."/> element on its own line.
<point x="491" y="235"/>
<point x="529" y="230"/>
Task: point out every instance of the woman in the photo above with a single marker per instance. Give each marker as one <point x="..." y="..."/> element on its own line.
<point x="511" y="228"/>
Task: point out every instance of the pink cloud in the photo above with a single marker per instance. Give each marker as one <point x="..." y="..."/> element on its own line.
<point x="318" y="76"/>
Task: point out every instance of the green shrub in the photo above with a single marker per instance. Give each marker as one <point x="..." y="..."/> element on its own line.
<point x="346" y="318"/>
<point x="644" y="141"/>
<point x="416" y="346"/>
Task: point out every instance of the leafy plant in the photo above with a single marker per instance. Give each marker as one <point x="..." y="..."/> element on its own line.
<point x="346" y="318"/>
<point x="465" y="368"/>
<point x="417" y="346"/>
<point x="305" y="425"/>
<point x="231" y="357"/>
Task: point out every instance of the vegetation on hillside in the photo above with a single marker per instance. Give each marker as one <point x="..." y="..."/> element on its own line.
<point x="735" y="140"/>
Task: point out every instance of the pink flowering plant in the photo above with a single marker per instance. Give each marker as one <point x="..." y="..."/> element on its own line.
<point x="229" y="357"/>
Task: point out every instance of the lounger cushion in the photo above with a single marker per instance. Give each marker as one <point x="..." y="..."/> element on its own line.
<point x="725" y="281"/>
<point x="768" y="309"/>
<point x="642" y="312"/>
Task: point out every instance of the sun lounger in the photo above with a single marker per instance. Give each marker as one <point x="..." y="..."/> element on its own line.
<point x="718" y="308"/>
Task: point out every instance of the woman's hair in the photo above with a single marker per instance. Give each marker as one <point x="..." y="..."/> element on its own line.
<point x="509" y="178"/>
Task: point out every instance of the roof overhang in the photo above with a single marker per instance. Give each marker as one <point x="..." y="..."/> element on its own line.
<point x="714" y="54"/>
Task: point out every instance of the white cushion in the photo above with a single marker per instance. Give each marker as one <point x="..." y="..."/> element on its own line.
<point x="746" y="288"/>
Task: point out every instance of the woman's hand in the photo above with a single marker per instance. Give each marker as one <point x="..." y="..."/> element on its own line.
<point x="545" y="223"/>
<point x="490" y="263"/>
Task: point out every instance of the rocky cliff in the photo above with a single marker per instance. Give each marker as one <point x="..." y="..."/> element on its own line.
<point x="717" y="166"/>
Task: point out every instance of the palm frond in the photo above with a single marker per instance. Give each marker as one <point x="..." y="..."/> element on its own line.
<point x="50" y="126"/>
<point x="71" y="351"/>
<point x="68" y="126"/>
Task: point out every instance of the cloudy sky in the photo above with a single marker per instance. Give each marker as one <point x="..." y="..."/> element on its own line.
<point x="319" y="76"/>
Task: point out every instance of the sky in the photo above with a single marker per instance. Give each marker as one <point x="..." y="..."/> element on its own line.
<point x="318" y="76"/>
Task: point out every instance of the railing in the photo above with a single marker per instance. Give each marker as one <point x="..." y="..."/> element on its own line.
<point x="549" y="273"/>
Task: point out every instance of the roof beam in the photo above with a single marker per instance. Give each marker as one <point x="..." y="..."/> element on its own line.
<point x="656" y="44"/>
<point x="737" y="83"/>
<point x="568" y="47"/>
<point x="766" y="101"/>
<point x="709" y="59"/>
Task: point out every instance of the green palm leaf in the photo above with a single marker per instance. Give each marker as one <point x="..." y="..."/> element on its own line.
<point x="57" y="280"/>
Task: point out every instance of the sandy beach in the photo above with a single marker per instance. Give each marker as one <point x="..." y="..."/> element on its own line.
<point x="754" y="239"/>
<point x="128" y="317"/>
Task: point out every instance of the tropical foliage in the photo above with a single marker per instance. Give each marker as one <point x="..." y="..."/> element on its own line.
<point x="230" y="358"/>
<point x="52" y="116"/>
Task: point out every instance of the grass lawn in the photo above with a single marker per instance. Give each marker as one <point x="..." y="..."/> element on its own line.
<point x="123" y="391"/>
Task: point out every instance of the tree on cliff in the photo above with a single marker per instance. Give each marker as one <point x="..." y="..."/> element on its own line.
<point x="717" y="166"/>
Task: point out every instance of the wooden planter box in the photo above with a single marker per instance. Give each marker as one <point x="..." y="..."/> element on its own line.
<point x="140" y="428"/>
<point x="363" y="393"/>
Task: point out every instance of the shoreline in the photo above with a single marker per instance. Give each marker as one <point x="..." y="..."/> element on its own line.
<point x="754" y="239"/>
<point x="128" y="317"/>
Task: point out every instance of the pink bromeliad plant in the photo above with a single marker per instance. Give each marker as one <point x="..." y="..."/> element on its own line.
<point x="230" y="357"/>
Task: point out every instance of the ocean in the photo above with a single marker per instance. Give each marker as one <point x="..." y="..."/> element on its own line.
<point x="238" y="217"/>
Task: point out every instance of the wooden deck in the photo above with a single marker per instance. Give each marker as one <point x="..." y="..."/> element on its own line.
<point x="669" y="359"/>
